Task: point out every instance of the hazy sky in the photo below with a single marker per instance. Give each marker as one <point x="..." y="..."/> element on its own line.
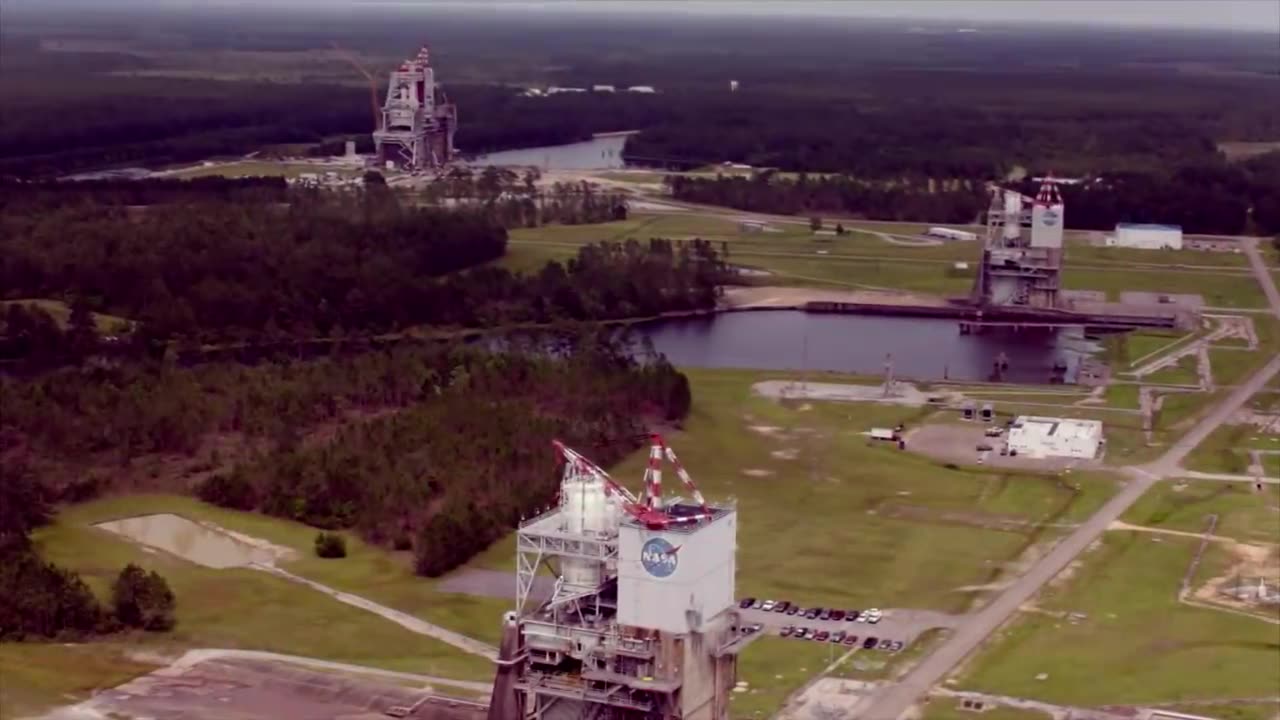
<point x="1260" y="15"/>
<point x="1256" y="15"/>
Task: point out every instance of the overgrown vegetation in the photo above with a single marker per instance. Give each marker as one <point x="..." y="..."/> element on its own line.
<point x="330" y="545"/>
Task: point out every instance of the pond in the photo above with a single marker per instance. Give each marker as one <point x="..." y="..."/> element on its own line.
<point x="921" y="348"/>
<point x="600" y="153"/>
<point x="191" y="541"/>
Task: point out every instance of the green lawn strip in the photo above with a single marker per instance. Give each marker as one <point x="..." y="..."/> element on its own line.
<point x="1224" y="289"/>
<point x="773" y="668"/>
<point x="35" y="677"/>
<point x="1243" y="513"/>
<point x="1184" y="372"/>
<point x="1226" y="450"/>
<point x="1122" y="395"/>
<point x="367" y="570"/>
<point x="1142" y="346"/>
<point x="1231" y="367"/>
<point x="1137" y="644"/>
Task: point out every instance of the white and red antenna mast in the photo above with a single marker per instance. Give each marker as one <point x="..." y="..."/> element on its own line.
<point x="648" y="510"/>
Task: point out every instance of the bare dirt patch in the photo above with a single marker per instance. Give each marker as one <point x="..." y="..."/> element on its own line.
<point x="786" y="454"/>
<point x="757" y="472"/>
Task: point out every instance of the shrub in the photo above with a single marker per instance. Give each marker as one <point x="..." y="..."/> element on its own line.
<point x="41" y="600"/>
<point x="330" y="545"/>
<point x="142" y="599"/>
<point x="230" y="491"/>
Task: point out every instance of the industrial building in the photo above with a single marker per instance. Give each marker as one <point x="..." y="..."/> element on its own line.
<point x="1022" y="251"/>
<point x="641" y="622"/>
<point x="1043" y="437"/>
<point x="418" y="122"/>
<point x="1146" y="236"/>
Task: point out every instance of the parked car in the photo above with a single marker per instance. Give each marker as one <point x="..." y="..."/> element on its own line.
<point x="746" y="603"/>
<point x="809" y="633"/>
<point x="896" y="647"/>
<point x="757" y="604"/>
<point x="851" y="615"/>
<point x="850" y="639"/>
<point x="782" y="606"/>
<point x="870" y="643"/>
<point x="837" y="615"/>
<point x="812" y="614"/>
<point x="757" y="628"/>
<point x="822" y="636"/>
<point x="837" y="637"/>
<point x="885" y="644"/>
<point x="874" y="615"/>
<point x="862" y="616"/>
<point x="793" y="609"/>
<point x="785" y="631"/>
<point x="824" y="615"/>
<point x="767" y="605"/>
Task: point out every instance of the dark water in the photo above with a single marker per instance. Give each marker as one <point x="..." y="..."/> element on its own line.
<point x="922" y="348"/>
<point x="602" y="153"/>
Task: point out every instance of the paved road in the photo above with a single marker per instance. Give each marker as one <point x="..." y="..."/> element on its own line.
<point x="890" y="703"/>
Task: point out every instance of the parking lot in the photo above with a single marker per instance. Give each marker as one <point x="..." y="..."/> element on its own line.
<point x="895" y="625"/>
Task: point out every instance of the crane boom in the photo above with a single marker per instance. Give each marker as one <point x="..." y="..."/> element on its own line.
<point x="373" y="83"/>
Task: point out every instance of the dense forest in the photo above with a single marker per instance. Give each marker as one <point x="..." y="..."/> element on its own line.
<point x="320" y="265"/>
<point x="1211" y="199"/>
<point x="439" y="449"/>
<point x="870" y="99"/>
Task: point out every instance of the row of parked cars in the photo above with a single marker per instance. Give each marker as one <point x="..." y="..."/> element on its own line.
<point x="840" y="637"/>
<point x="873" y="616"/>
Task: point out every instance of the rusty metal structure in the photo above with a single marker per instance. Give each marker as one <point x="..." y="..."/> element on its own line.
<point x="635" y="616"/>
<point x="418" y="121"/>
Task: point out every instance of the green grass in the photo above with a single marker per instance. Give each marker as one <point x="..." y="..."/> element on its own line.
<point x="61" y="313"/>
<point x="1242" y="513"/>
<point x="1141" y="346"/>
<point x="652" y="178"/>
<point x="35" y="677"/>
<point x="262" y="168"/>
<point x="240" y="608"/>
<point x="1226" y="450"/>
<point x="1184" y="372"/>
<point x="875" y="665"/>
<point x="1230" y="367"/>
<point x="773" y="668"/>
<point x="367" y="570"/>
<point x="1137" y="644"/>
<point x="1223" y="289"/>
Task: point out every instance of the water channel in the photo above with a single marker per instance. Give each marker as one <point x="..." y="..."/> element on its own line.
<point x="599" y="153"/>
<point x="921" y="348"/>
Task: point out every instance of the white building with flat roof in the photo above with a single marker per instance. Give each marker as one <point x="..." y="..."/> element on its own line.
<point x="1147" y="236"/>
<point x="1043" y="437"/>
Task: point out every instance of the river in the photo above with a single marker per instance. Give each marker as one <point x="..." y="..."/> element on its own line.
<point x="599" y="153"/>
<point x="922" y="348"/>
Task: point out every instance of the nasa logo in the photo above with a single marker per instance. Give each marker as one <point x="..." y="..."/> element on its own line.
<point x="1050" y="218"/>
<point x="658" y="557"/>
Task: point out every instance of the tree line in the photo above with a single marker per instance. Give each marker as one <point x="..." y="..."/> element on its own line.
<point x="41" y="601"/>
<point x="420" y="439"/>
<point x="1215" y="198"/>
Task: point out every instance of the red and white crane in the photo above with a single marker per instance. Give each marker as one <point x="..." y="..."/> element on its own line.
<point x="649" y="509"/>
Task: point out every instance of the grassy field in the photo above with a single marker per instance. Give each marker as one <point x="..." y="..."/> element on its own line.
<point x="861" y="258"/>
<point x="241" y="608"/>
<point x="827" y="518"/>
<point x="1184" y="372"/>
<point x="1137" y="643"/>
<point x="262" y="168"/>
<point x="1141" y="346"/>
<point x="61" y="313"/>
<point x="1242" y="513"/>
<point x="1220" y="289"/>
<point x="773" y="668"/>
